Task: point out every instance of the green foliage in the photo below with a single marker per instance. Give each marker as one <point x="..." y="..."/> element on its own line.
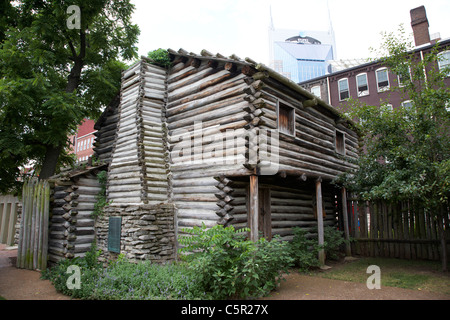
<point x="51" y="77"/>
<point x="334" y="241"/>
<point x="90" y="271"/>
<point x="406" y="151"/>
<point x="305" y="250"/>
<point x="228" y="265"/>
<point x="160" y="57"/>
<point x="124" y="280"/>
<point x="101" y="202"/>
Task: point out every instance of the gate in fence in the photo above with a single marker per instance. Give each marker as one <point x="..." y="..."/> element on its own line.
<point x="8" y="218"/>
<point x="34" y="226"/>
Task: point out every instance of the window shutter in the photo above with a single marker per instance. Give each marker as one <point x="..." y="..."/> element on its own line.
<point x="114" y="232"/>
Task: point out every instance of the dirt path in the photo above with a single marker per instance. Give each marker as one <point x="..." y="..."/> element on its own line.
<point x="302" y="287"/>
<point x="18" y="284"/>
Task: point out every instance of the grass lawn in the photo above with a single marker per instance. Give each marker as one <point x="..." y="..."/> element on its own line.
<point x="409" y="274"/>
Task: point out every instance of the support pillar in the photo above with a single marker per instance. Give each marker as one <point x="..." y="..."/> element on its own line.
<point x="253" y="207"/>
<point x="348" y="250"/>
<point x="320" y="220"/>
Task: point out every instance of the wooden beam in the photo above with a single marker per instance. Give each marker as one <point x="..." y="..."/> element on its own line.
<point x="253" y="207"/>
<point x="320" y="220"/>
<point x="348" y="250"/>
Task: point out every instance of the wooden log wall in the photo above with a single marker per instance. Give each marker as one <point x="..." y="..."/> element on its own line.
<point x="106" y="128"/>
<point x="291" y="205"/>
<point x="72" y="230"/>
<point x="205" y="99"/>
<point x="138" y="170"/>
<point x="311" y="149"/>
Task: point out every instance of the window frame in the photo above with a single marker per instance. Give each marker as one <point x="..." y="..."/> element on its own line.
<point x="320" y="91"/>
<point x="367" y="91"/>
<point x="384" y="88"/>
<point x="447" y="62"/>
<point x="401" y="83"/>
<point x="340" y="91"/>
<point x="291" y="119"/>
<point x="339" y="147"/>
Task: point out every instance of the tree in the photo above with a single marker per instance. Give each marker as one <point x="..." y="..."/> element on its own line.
<point x="59" y="63"/>
<point x="406" y="151"/>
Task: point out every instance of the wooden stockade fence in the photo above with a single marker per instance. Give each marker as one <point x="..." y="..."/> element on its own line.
<point x="403" y="230"/>
<point x="34" y="225"/>
<point x="8" y="218"/>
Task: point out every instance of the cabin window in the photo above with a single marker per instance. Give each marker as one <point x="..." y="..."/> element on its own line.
<point x="362" y="84"/>
<point x="286" y="119"/>
<point x="340" y="144"/>
<point x="382" y="79"/>
<point x="344" y="92"/>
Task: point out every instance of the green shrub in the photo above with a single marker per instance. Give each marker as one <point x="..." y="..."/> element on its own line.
<point x="160" y="57"/>
<point x="90" y="270"/>
<point x="146" y="281"/>
<point x="125" y="280"/>
<point x="227" y="265"/>
<point x="305" y="250"/>
<point x="333" y="242"/>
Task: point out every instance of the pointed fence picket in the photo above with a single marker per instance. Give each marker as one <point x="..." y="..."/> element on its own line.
<point x="33" y="235"/>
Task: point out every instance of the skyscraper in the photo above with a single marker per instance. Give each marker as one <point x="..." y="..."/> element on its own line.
<point x="301" y="55"/>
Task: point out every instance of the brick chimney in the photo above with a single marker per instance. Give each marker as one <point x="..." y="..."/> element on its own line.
<point x="419" y="24"/>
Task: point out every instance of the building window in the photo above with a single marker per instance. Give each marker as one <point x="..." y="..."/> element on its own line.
<point x="340" y="143"/>
<point x="444" y="62"/>
<point x="343" y="89"/>
<point x="403" y="79"/>
<point x="362" y="84"/>
<point x="408" y="106"/>
<point x="316" y="91"/>
<point x="382" y="79"/>
<point x="286" y="119"/>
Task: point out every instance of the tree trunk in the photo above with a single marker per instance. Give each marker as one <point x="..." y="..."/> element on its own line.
<point x="52" y="152"/>
<point x="50" y="162"/>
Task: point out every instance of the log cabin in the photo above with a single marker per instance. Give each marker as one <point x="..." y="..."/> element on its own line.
<point x="224" y="141"/>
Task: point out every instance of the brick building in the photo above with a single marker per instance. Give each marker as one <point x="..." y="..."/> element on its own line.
<point x="371" y="82"/>
<point x="82" y="142"/>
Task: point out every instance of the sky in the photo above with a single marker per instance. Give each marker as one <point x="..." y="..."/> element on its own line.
<point x="241" y="26"/>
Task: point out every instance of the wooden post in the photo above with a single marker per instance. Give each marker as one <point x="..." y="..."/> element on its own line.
<point x="348" y="250"/>
<point x="253" y="208"/>
<point x="320" y="220"/>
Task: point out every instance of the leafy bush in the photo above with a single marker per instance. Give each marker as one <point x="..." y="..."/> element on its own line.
<point x="90" y="269"/>
<point x="305" y="250"/>
<point x="228" y="265"/>
<point x="125" y="280"/>
<point x="333" y="242"/>
<point x="147" y="281"/>
<point x="160" y="57"/>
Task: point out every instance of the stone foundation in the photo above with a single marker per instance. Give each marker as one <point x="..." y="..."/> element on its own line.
<point x="147" y="233"/>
